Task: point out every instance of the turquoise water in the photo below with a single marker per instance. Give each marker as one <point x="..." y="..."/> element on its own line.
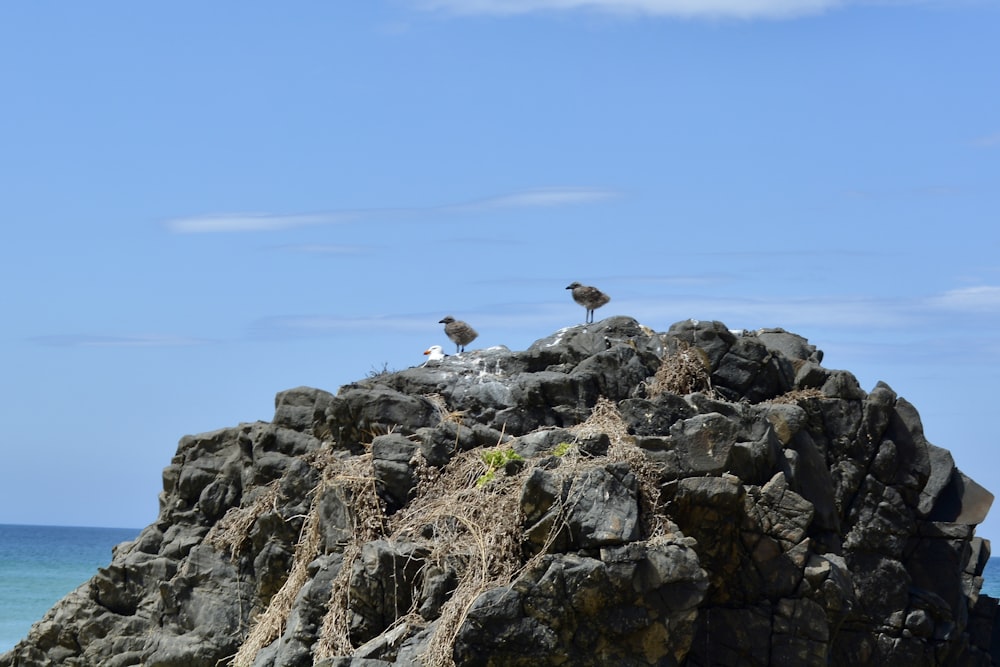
<point x="991" y="578"/>
<point x="39" y="565"/>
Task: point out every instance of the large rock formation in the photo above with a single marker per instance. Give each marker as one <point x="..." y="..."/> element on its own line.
<point x="609" y="496"/>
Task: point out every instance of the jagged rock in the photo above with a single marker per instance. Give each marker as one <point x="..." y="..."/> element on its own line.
<point x="593" y="508"/>
<point x="382" y="586"/>
<point x="779" y="516"/>
<point x="394" y="474"/>
<point x="302" y="408"/>
<point x="633" y="606"/>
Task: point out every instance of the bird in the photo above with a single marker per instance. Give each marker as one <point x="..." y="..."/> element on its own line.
<point x="434" y="353"/>
<point x="589" y="297"/>
<point x="460" y="333"/>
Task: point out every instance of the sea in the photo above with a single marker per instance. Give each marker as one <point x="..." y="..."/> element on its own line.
<point x="39" y="565"/>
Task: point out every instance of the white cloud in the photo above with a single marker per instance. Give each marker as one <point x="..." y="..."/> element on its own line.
<point x="250" y="222"/>
<point x="741" y="9"/>
<point x="82" y="340"/>
<point x="790" y="313"/>
<point x="984" y="298"/>
<point x="270" y="222"/>
<point x="542" y="197"/>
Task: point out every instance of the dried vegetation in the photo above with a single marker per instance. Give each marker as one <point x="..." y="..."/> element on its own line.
<point x="683" y="371"/>
<point x="456" y="519"/>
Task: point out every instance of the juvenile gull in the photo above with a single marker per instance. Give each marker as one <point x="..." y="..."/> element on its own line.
<point x="589" y="297"/>
<point x="460" y="333"/>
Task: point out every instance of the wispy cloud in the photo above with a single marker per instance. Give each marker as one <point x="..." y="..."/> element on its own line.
<point x="739" y="9"/>
<point x="835" y="312"/>
<point x="270" y="222"/>
<point x="294" y="326"/>
<point x="988" y="141"/>
<point x="540" y="198"/>
<point x="252" y="222"/>
<point x="980" y="299"/>
<point x="83" y="340"/>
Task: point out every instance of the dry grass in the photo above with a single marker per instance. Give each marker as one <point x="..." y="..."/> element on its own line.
<point x="475" y="529"/>
<point x="796" y="396"/>
<point x="358" y="481"/>
<point x="456" y="522"/>
<point x="684" y="371"/>
<point x="231" y="533"/>
<point x="476" y="525"/>
<point x="605" y="418"/>
<point x="269" y="625"/>
<point x="441" y="407"/>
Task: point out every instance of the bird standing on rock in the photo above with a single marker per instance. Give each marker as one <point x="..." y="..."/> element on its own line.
<point x="589" y="297"/>
<point x="460" y="333"/>
<point x="434" y="353"/>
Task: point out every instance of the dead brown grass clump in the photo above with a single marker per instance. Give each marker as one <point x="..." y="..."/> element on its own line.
<point x="441" y="407"/>
<point x="796" y="396"/>
<point x="606" y="418"/>
<point x="231" y="533"/>
<point x="357" y="480"/>
<point x="684" y="371"/>
<point x="477" y="525"/>
<point x="472" y="528"/>
<point x="269" y="625"/>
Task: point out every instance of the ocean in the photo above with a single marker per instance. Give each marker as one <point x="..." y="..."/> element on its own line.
<point x="41" y="564"/>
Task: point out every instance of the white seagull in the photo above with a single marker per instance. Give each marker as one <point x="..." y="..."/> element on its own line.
<point x="434" y="353"/>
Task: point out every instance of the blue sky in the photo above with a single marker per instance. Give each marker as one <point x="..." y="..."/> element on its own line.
<point x="207" y="203"/>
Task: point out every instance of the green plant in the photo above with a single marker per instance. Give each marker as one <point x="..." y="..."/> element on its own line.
<point x="562" y="449"/>
<point x="494" y="460"/>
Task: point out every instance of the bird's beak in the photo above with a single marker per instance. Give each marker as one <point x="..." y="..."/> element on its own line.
<point x="427" y="351"/>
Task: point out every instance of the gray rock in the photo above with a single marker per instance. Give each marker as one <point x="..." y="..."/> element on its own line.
<point x="634" y="606"/>
<point x="723" y="527"/>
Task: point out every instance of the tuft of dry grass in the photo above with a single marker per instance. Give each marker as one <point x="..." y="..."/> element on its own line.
<point x="684" y="371"/>
<point x="441" y="407"/>
<point x="231" y="533"/>
<point x="478" y="528"/>
<point x="357" y="479"/>
<point x="796" y="396"/>
<point x="606" y="418"/>
<point x="269" y="625"/>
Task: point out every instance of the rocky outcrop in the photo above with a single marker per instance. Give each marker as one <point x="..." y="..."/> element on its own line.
<point x="610" y="495"/>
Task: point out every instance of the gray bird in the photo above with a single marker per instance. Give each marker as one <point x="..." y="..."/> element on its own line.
<point x="460" y="333"/>
<point x="589" y="297"/>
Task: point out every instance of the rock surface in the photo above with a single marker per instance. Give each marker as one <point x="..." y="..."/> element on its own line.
<point x="611" y="495"/>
